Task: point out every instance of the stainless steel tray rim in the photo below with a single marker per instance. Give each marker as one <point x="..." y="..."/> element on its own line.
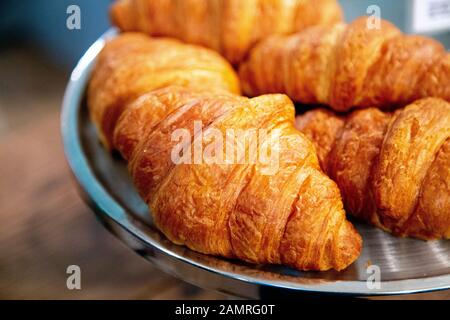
<point x="111" y="209"/>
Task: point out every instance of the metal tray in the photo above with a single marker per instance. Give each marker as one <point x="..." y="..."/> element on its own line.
<point x="406" y="265"/>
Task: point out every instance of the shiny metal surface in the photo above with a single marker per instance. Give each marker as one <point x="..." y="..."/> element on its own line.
<point x="406" y="265"/>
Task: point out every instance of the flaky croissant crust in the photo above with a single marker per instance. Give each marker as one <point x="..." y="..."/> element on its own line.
<point x="293" y="217"/>
<point x="393" y="169"/>
<point x="116" y="80"/>
<point x="230" y="27"/>
<point x="346" y="66"/>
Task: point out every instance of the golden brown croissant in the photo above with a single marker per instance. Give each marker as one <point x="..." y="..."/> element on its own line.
<point x="234" y="208"/>
<point x="116" y="80"/>
<point x="347" y="66"/>
<point x="393" y="169"/>
<point x="230" y="27"/>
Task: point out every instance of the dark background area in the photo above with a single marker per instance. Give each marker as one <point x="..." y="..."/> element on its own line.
<point x="44" y="225"/>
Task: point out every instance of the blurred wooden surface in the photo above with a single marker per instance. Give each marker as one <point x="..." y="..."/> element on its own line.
<point x="44" y="225"/>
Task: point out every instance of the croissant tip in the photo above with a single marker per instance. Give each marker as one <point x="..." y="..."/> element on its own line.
<point x="118" y="13"/>
<point x="349" y="245"/>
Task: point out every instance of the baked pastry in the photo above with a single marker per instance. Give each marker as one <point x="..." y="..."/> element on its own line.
<point x="393" y="169"/>
<point x="285" y="211"/>
<point x="230" y="27"/>
<point x="346" y="66"/>
<point x="134" y="63"/>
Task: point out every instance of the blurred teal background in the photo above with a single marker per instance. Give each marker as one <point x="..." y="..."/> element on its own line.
<point x="42" y="23"/>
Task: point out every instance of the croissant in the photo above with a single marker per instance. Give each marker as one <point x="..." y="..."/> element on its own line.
<point x="230" y="27"/>
<point x="393" y="169"/>
<point x="134" y="63"/>
<point x="282" y="211"/>
<point x="346" y="66"/>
